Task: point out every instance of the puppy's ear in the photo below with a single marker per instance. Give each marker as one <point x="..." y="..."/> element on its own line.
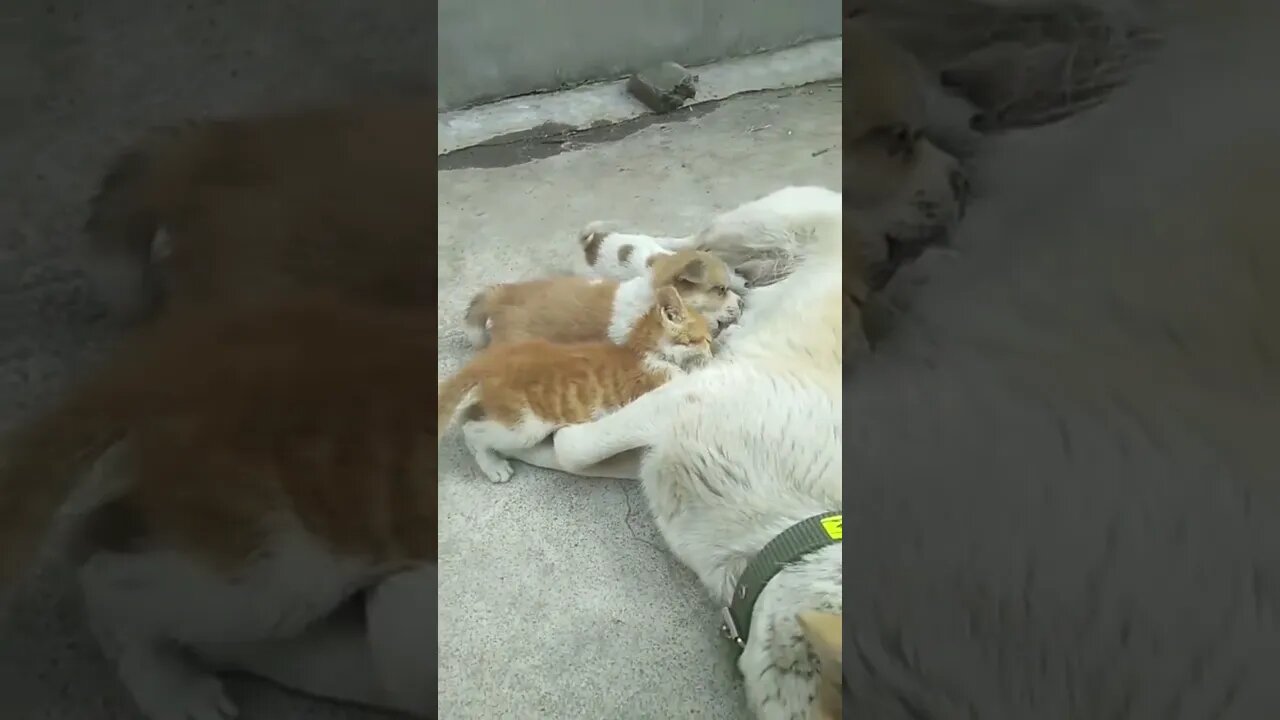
<point x="694" y="272"/>
<point x="823" y="631"/>
<point x="670" y="306"/>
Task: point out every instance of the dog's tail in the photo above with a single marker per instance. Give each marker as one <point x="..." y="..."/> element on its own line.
<point x="454" y="397"/>
<point x="476" y="321"/>
<point x="134" y="202"/>
<point x="44" y="469"/>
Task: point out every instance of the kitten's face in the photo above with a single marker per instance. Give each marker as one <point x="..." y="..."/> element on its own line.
<point x="686" y="334"/>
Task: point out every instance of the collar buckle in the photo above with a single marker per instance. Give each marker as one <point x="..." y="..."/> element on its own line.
<point x="729" y="628"/>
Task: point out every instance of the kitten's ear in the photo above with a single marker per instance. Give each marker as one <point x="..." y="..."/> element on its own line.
<point x="694" y="272"/>
<point x="670" y="306"/>
<point x="824" y="634"/>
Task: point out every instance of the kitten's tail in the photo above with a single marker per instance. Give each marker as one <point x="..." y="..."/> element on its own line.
<point x="44" y="470"/>
<point x="454" y="396"/>
<point x="127" y="215"/>
<point x="476" y="321"/>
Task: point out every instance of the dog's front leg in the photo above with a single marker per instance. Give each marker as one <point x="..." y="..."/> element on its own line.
<point x="620" y="467"/>
<point x="632" y="427"/>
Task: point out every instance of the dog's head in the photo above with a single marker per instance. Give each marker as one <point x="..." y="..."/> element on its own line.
<point x="704" y="281"/>
<point x="900" y="184"/>
<point x="823" y="632"/>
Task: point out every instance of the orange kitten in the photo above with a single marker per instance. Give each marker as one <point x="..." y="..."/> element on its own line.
<point x="514" y="396"/>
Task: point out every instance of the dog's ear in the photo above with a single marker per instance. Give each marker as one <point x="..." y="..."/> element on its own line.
<point x="823" y="631"/>
<point x="694" y="271"/>
<point x="670" y="306"/>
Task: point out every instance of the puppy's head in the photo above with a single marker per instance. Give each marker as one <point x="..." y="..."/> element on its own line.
<point x="894" y="177"/>
<point x="823" y="632"/>
<point x="704" y="281"/>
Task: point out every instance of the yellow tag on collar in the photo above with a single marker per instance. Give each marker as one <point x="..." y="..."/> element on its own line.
<point x="834" y="526"/>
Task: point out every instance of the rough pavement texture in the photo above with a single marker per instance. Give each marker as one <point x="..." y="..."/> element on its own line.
<point x="80" y="79"/>
<point x="558" y="599"/>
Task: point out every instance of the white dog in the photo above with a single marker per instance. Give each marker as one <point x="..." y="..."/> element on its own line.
<point x="737" y="454"/>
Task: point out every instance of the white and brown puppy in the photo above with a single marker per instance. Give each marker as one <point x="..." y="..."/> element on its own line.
<point x="581" y="309"/>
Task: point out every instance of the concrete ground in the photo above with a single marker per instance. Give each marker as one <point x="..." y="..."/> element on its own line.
<point x="558" y="599"/>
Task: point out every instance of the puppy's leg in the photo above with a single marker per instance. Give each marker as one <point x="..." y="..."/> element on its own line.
<point x="489" y="440"/>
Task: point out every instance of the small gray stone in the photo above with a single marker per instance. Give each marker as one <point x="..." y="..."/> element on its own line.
<point x="664" y="87"/>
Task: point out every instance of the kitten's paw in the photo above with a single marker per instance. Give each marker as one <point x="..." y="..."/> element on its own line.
<point x="497" y="470"/>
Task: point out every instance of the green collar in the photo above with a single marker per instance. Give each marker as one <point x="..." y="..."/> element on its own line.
<point x="807" y="536"/>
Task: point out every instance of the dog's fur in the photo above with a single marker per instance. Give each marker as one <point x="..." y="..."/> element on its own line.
<point x="737" y="452"/>
<point x="826" y="637"/>
<point x="573" y="308"/>
<point x="1062" y="460"/>
<point x="253" y="208"/>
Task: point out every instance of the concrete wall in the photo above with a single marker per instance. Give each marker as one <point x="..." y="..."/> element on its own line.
<point x="498" y="48"/>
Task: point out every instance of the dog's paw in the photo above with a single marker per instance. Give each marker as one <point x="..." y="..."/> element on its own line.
<point x="575" y="447"/>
